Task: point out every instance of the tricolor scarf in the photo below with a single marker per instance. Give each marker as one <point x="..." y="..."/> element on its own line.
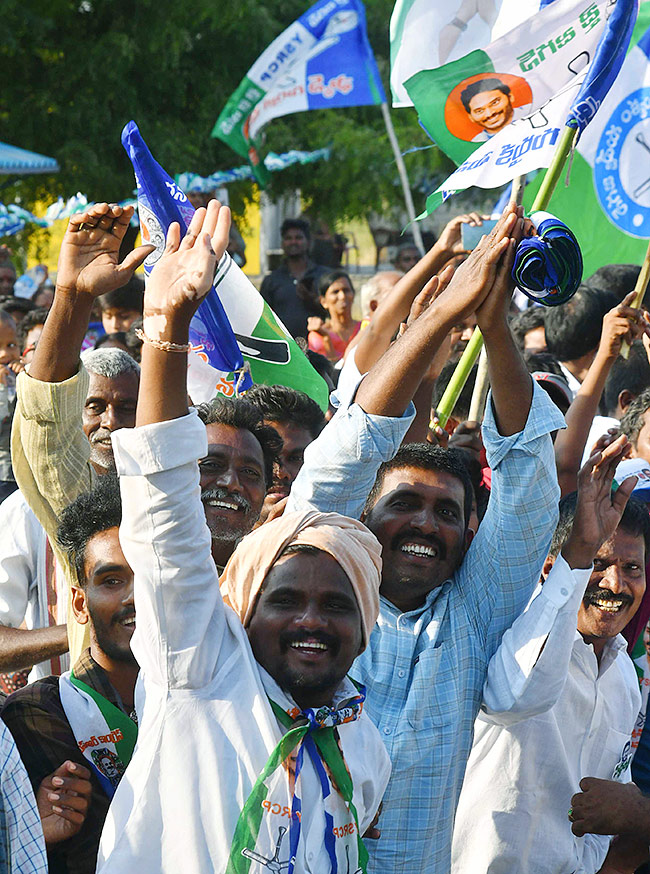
<point x="104" y="733"/>
<point x="311" y="732"/>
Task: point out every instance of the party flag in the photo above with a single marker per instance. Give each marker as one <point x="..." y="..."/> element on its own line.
<point x="430" y="33"/>
<point x="528" y="143"/>
<point x="467" y="102"/>
<point x="321" y="61"/>
<point x="607" y="203"/>
<point x="236" y="339"/>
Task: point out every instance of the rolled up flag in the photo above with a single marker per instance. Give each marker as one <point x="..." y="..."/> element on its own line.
<point x="639" y="468"/>
<point x="236" y="338"/>
<point x="548" y="267"/>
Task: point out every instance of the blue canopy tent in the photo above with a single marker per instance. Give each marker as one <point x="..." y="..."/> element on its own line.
<point x="20" y="162"/>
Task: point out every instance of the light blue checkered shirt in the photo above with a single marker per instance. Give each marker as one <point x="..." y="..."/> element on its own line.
<point x="424" y="670"/>
<point x="22" y="846"/>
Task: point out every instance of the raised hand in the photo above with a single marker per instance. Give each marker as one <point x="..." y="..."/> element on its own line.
<point x="493" y="312"/>
<point x="89" y="256"/>
<point x="184" y="272"/>
<point x="598" y="511"/>
<point x="622" y="323"/>
<point x="62" y="800"/>
<point x="451" y="239"/>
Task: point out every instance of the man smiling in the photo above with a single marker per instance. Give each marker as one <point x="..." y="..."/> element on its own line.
<point x="489" y="103"/>
<point x="231" y="692"/>
<point x="54" y="719"/>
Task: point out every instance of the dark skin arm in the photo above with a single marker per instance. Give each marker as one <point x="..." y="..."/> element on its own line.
<point x="88" y="267"/>
<point x="20" y="648"/>
<point x="481" y="285"/>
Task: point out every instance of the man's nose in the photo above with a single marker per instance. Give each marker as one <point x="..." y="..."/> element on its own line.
<point x="425" y="521"/>
<point x="613" y="579"/>
<point x="128" y="594"/>
<point x="280" y="472"/>
<point x="310" y="617"/>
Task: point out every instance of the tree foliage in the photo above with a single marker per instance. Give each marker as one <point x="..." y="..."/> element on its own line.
<point x="75" y="72"/>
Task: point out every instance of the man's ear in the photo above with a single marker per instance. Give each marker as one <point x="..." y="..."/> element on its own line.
<point x="548" y="564"/>
<point x="373" y="305"/>
<point x="469" y="536"/>
<point x="79" y="605"/>
<point x="625" y="398"/>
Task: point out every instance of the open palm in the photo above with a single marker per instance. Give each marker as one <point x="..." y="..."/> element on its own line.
<point x="89" y="256"/>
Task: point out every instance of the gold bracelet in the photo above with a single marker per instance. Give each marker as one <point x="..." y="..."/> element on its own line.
<point x="163" y="345"/>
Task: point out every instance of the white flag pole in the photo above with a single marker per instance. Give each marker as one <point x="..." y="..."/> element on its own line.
<point x="410" y="209"/>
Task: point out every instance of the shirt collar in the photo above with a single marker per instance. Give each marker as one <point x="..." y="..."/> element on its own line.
<point x="88" y="671"/>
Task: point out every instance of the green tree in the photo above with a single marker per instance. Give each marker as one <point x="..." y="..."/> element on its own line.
<point x="75" y="72"/>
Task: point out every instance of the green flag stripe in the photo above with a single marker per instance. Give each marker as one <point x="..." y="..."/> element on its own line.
<point x="115" y="718"/>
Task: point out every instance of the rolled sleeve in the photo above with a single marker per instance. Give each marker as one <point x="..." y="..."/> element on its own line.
<point x="342" y="463"/>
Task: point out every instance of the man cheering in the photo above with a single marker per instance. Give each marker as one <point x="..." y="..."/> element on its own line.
<point x="254" y="752"/>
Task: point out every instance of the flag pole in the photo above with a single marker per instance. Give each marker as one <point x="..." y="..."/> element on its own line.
<point x="639" y="291"/>
<point x="401" y="168"/>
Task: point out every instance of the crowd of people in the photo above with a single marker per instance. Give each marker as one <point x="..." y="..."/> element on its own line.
<point x="252" y="635"/>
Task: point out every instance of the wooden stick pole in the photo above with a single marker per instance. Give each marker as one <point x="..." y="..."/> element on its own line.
<point x="401" y="169"/>
<point x="639" y="292"/>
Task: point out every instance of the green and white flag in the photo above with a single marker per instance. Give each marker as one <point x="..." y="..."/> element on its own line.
<point x="429" y="33"/>
<point x="607" y="204"/>
<point x="469" y="101"/>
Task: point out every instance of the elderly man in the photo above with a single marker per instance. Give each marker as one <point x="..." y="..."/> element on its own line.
<point x="231" y="692"/>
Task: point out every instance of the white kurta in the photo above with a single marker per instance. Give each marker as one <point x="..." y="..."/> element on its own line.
<point x="526" y="764"/>
<point x="206" y="725"/>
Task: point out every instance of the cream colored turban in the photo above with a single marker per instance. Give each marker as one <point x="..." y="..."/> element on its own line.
<point x="353" y="546"/>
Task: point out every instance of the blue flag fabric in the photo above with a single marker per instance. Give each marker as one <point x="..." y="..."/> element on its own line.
<point x="160" y="203"/>
<point x="605" y="65"/>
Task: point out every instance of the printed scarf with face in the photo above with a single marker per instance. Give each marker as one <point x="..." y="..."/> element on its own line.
<point x="104" y="733"/>
<point x="311" y="734"/>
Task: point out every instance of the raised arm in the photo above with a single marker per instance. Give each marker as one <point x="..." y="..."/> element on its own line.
<point x="180" y="630"/>
<point x="622" y="323"/>
<point x="527" y="673"/>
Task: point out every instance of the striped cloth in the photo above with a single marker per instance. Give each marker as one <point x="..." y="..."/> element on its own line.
<point x="22" y="845"/>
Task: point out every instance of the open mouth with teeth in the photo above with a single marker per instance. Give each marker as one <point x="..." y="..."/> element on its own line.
<point x="223" y="505"/>
<point x="128" y="623"/>
<point x="419" y="550"/>
<point x="607" y="605"/>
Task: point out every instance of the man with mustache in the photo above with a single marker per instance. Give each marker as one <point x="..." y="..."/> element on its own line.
<point x="51" y="453"/>
<point x="85" y="717"/>
<point x="447" y="597"/>
<point x="571" y="711"/>
<point x="298" y="420"/>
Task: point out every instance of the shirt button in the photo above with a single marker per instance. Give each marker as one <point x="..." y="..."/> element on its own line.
<point x="387" y="730"/>
<point x="564" y="591"/>
<point x="401" y="673"/>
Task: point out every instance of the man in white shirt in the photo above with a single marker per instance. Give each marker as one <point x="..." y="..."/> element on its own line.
<point x="528" y="760"/>
<point x="230" y="693"/>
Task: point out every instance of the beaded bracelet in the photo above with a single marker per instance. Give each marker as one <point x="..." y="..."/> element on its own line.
<point x="163" y="345"/>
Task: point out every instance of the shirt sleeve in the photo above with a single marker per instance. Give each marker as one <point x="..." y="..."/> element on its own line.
<point x="341" y="464"/>
<point x="181" y="620"/>
<point x="18" y="562"/>
<point x="504" y="561"/>
<point x="50" y="455"/>
<point x="528" y="671"/>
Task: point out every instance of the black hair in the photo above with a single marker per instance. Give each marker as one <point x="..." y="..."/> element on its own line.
<point x="525" y="321"/>
<point x="89" y="514"/>
<point x="31" y="319"/>
<point x="424" y="456"/>
<point x="635" y="521"/>
<point x="133" y="342"/>
<point x="278" y="403"/>
<point x="327" y="279"/>
<point x="488" y="84"/>
<point x="574" y="329"/>
<point x="295" y="224"/>
<point x="461" y="408"/>
<point x="632" y="374"/>
<point x="116" y="336"/>
<point x="324" y="367"/>
<point x="632" y="420"/>
<point x="543" y="362"/>
<point x="9" y="304"/>
<point x="128" y="297"/>
<point x="618" y="279"/>
<point x="7" y="319"/>
<point x="239" y="413"/>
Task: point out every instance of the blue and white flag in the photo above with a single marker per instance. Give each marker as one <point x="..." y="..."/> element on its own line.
<point x="160" y="203"/>
<point x="236" y="338"/>
<point x="321" y="61"/>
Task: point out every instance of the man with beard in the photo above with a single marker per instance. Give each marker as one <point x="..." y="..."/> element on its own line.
<point x="86" y="716"/>
<point x="33" y="586"/>
<point x="49" y="447"/>
<point x="445" y="603"/>
<point x="570" y="711"/>
<point x="298" y="420"/>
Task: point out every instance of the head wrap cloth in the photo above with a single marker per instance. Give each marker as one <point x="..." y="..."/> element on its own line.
<point x="348" y="541"/>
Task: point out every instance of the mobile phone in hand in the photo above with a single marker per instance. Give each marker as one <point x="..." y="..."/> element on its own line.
<point x="471" y="234"/>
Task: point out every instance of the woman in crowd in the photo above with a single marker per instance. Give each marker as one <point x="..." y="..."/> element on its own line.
<point x="336" y="296"/>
